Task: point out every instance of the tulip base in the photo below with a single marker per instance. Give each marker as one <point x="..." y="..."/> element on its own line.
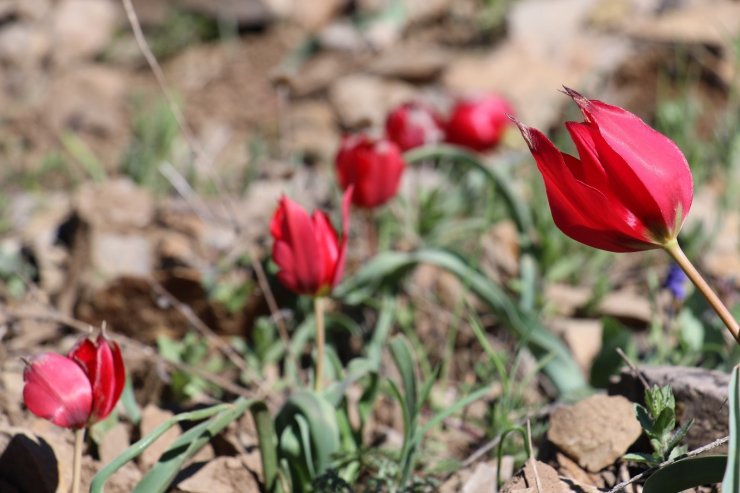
<point x="77" y="460"/>
<point x="675" y="251"/>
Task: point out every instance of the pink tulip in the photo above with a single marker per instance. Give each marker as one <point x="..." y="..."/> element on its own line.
<point x="413" y="125"/>
<point x="630" y="188"/>
<point x="77" y="390"/>
<point x="478" y="123"/>
<point x="306" y="248"/>
<point x="373" y="167"/>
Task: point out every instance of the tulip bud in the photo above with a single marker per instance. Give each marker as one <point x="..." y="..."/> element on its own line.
<point x="56" y="388"/>
<point x="306" y="249"/>
<point x="478" y="123"/>
<point x="77" y="390"/>
<point x="373" y="167"/>
<point x="413" y="125"/>
<point x="103" y="365"/>
<point x="630" y="188"/>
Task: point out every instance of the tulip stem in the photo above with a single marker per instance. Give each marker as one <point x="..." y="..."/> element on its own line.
<point x="77" y="460"/>
<point x="675" y="251"/>
<point x="372" y="232"/>
<point x="318" y="306"/>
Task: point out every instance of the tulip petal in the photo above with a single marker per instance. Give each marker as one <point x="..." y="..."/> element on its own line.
<point x="296" y="232"/>
<point x="56" y="388"/>
<point x="339" y="269"/>
<point x="655" y="172"/>
<point x="326" y="238"/>
<point x="103" y="364"/>
<point x="573" y="203"/>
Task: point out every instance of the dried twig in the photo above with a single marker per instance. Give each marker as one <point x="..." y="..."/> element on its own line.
<point x="532" y="460"/>
<point x="636" y="371"/>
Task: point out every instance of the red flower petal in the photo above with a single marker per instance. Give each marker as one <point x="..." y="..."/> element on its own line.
<point x="56" y="388"/>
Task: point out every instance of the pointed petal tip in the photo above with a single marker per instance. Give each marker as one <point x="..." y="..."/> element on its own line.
<point x="525" y="130"/>
<point x="582" y="101"/>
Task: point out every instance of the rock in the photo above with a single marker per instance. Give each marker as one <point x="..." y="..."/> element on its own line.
<point x="595" y="432"/>
<point x="115" y="205"/>
<point x="312" y="131"/>
<point x="583" y="337"/>
<point x="549" y="481"/>
<point x="251" y="13"/>
<point x="221" y="474"/>
<point x="90" y="99"/>
<point x="151" y="417"/>
<point x="24" y="44"/>
<point x="113" y="443"/>
<point x="483" y="478"/>
<point x="627" y="305"/>
<point x="362" y="100"/>
<point x="417" y="63"/>
<point x="700" y="394"/>
<point x="419" y="11"/>
<point x="82" y="28"/>
<point x="152" y="12"/>
<point x="114" y="255"/>
<point x="708" y="23"/>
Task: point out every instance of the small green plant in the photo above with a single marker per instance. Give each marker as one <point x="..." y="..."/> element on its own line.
<point x="192" y="350"/>
<point x="658" y="419"/>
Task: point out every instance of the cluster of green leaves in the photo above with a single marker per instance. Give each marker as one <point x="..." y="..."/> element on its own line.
<point x="658" y="420"/>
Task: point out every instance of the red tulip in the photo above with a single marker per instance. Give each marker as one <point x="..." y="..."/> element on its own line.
<point x="373" y="167"/>
<point x="306" y="249"/>
<point x="478" y="123"/>
<point x="77" y="390"/>
<point x="413" y="125"/>
<point x="629" y="190"/>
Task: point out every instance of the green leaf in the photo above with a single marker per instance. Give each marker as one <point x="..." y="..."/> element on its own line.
<point x="639" y="457"/>
<point x="687" y="473"/>
<point x="495" y="175"/>
<point x="731" y="481"/>
<point x="319" y="433"/>
<point x="390" y="266"/>
<point x="161" y="475"/>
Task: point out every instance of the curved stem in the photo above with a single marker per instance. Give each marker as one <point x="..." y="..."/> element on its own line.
<point x="675" y="251"/>
<point x="318" y="306"/>
<point x="77" y="460"/>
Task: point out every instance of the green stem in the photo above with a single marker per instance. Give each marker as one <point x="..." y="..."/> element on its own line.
<point x="77" y="460"/>
<point x="675" y="251"/>
<point x="318" y="305"/>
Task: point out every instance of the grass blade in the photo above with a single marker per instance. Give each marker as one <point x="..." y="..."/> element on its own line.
<point x="731" y="481"/>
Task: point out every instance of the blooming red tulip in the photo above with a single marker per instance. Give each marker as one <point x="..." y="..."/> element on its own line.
<point x="306" y="248"/>
<point x="414" y="124"/>
<point x="77" y="390"/>
<point x="373" y="167"/>
<point x="478" y="123"/>
<point x="630" y="188"/>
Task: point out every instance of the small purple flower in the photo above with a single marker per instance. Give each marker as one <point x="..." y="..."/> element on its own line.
<point x="675" y="282"/>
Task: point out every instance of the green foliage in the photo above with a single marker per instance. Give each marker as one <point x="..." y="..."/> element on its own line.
<point x="658" y="420"/>
<point x="180" y="30"/>
<point x="14" y="271"/>
<point x="154" y="130"/>
<point x="731" y="479"/>
<point x="685" y="474"/>
<point x="194" y="351"/>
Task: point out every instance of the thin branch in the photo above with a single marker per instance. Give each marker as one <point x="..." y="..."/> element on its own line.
<point x="156" y="69"/>
<point x="636" y="371"/>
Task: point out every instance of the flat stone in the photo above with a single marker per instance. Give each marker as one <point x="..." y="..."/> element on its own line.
<point x="700" y="394"/>
<point x="151" y="417"/>
<point x="221" y="474"/>
<point x="595" y="432"/>
<point x="82" y="28"/>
